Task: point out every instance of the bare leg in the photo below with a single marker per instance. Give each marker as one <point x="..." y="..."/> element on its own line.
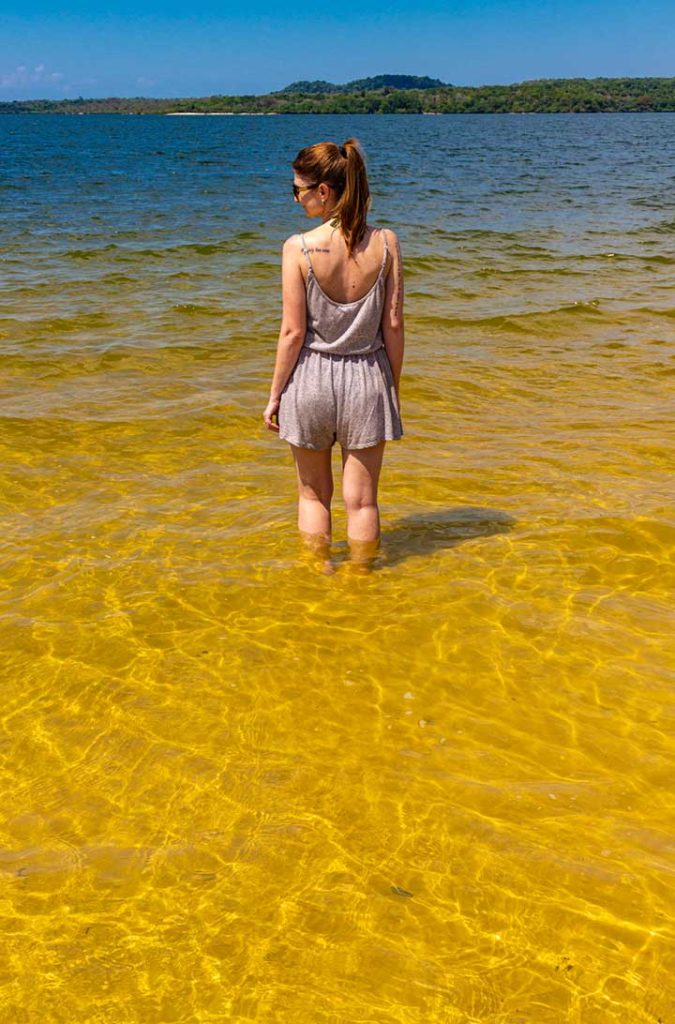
<point x="315" y="491"/>
<point x="360" y="478"/>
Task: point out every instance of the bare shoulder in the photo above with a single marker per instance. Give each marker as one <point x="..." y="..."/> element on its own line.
<point x="391" y="236"/>
<point x="393" y="243"/>
<point x="394" y="250"/>
<point x="293" y="244"/>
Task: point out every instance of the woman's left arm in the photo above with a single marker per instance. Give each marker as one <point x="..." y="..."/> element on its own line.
<point x="293" y="325"/>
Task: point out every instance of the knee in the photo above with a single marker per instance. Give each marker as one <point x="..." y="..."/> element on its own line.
<point x="323" y="494"/>
<point x="356" y="500"/>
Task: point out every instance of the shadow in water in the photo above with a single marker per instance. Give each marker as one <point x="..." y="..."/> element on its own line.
<point x="426" y="532"/>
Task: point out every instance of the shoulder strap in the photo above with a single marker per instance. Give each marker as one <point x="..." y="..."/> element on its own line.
<point x="306" y="252"/>
<point x="386" y="248"/>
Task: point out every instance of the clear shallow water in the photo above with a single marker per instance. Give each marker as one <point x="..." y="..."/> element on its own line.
<point x="235" y="789"/>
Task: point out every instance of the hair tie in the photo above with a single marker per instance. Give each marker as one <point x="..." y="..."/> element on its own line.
<point x="343" y="151"/>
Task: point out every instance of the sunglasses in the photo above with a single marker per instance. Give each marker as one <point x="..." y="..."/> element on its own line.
<point x="297" y="189"/>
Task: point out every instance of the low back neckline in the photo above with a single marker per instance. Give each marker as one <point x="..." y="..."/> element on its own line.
<point x="311" y="275"/>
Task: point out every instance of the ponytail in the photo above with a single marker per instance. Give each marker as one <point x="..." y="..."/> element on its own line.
<point x="352" y="207"/>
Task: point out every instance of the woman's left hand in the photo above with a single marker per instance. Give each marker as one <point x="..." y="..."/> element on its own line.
<point x="271" y="411"/>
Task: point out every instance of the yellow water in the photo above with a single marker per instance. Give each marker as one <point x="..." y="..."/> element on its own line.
<point x="237" y="789"/>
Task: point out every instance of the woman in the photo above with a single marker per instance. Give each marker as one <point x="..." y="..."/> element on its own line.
<point x="340" y="349"/>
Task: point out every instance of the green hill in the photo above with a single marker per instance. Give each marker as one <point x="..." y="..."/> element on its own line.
<point x="366" y="84"/>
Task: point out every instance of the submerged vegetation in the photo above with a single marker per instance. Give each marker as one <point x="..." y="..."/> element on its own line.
<point x="395" y="94"/>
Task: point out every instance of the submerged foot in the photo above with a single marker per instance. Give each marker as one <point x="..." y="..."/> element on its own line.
<point x="316" y="552"/>
<point x="362" y="555"/>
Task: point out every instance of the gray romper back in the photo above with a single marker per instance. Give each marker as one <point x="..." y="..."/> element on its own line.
<point x="342" y="386"/>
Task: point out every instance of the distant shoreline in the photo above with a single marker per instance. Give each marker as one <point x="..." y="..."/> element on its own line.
<point x="385" y="95"/>
<point x="220" y="113"/>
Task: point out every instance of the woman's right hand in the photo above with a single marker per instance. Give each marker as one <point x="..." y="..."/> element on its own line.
<point x="272" y="409"/>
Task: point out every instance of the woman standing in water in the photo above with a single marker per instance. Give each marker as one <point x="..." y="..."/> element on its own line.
<point x="340" y="348"/>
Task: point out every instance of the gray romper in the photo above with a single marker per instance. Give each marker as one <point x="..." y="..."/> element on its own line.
<point x="342" y="387"/>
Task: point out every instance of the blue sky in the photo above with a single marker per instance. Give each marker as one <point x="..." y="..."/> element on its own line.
<point x="73" y="48"/>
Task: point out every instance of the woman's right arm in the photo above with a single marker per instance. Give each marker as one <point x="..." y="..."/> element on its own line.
<point x="392" y="317"/>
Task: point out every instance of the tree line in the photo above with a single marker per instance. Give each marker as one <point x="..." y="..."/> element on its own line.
<point x="541" y="96"/>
